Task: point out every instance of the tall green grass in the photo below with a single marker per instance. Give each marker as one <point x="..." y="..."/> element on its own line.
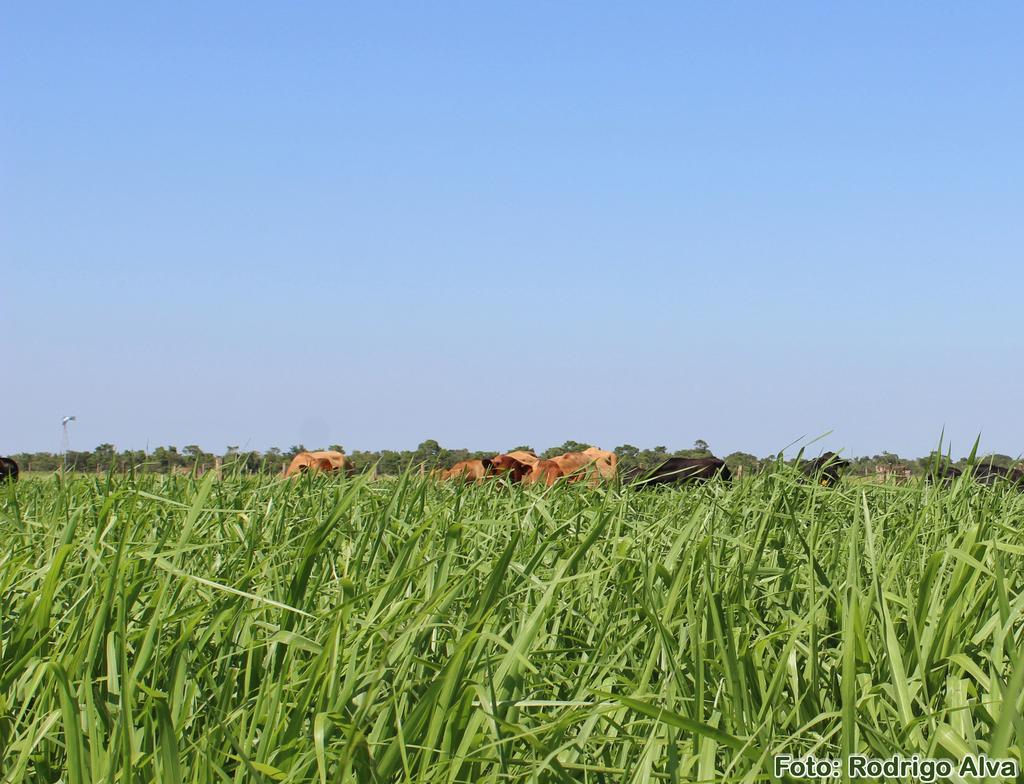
<point x="175" y="629"/>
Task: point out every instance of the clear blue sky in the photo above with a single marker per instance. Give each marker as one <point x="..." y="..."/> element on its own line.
<point x="376" y="223"/>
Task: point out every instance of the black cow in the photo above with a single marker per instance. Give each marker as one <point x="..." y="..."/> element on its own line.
<point x="825" y="469"/>
<point x="8" y="470"/>
<point x="631" y="475"/>
<point x="679" y="470"/>
<point x="988" y="474"/>
<point x="944" y="475"/>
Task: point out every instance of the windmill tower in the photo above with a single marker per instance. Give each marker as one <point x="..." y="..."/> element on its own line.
<point x="65" y="441"/>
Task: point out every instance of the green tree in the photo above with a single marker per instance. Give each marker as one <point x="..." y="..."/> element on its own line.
<point x="104" y="457"/>
<point x="164" y="459"/>
<point x="627" y="452"/>
<point x="742" y="463"/>
<point x="427" y="454"/>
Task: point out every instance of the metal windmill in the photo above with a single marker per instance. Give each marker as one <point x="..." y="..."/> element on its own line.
<point x="65" y="442"/>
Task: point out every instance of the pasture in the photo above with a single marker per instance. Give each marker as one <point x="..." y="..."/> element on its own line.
<point x="251" y="629"/>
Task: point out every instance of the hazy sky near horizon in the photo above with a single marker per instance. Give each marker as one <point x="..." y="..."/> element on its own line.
<point x="372" y="224"/>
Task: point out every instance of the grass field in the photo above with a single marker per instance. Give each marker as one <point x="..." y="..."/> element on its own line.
<point x="253" y="629"/>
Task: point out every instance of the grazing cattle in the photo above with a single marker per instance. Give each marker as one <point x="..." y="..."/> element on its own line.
<point x="319" y="461"/>
<point x="945" y="475"/>
<point x="825" y="469"/>
<point x="572" y="465"/>
<point x="8" y="470"/>
<point x="988" y="474"/>
<point x="606" y="463"/>
<point x="680" y="470"/>
<point x="546" y="471"/>
<point x="523" y="456"/>
<point x="468" y="470"/>
<point x="598" y="463"/>
<point x="631" y="475"/>
<point x="513" y="467"/>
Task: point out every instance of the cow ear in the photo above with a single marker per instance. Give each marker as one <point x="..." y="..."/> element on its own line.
<point x="487" y="463"/>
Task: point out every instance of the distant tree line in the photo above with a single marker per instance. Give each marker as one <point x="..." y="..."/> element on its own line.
<point x="429" y="455"/>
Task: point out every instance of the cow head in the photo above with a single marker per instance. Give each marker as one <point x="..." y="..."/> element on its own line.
<point x="503" y="464"/>
<point x="315" y="464"/>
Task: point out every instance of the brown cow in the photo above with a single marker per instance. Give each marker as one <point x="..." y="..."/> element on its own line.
<point x="546" y="471"/>
<point x="606" y="463"/>
<point x="598" y="463"/>
<point x="319" y="461"/>
<point x="515" y="468"/>
<point x="523" y="456"/>
<point x="468" y="470"/>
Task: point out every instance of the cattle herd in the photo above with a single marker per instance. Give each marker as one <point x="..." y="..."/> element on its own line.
<point x="596" y="465"/>
<point x="592" y="465"/>
<point x="984" y="473"/>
